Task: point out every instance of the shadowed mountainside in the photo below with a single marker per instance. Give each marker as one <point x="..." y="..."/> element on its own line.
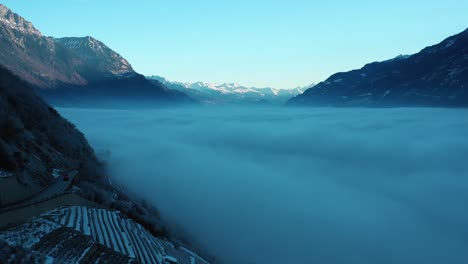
<point x="35" y="139"/>
<point x="436" y="76"/>
<point x="73" y="69"/>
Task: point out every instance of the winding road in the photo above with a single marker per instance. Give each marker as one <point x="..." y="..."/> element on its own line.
<point x="55" y="188"/>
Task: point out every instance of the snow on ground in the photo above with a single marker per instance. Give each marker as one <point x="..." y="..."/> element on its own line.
<point x="193" y="255"/>
<point x="5" y="174"/>
<point x="81" y="234"/>
<point x="13" y="254"/>
<point x="57" y="173"/>
<point x="120" y="234"/>
<point x="29" y="233"/>
<point x="386" y="93"/>
<point x="49" y="260"/>
<point x="59" y="243"/>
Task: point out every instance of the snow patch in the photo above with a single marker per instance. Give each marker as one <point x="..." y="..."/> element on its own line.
<point x="57" y="173"/>
<point x="28" y="234"/>
<point x="386" y="93"/>
<point x="450" y="43"/>
<point x="5" y="174"/>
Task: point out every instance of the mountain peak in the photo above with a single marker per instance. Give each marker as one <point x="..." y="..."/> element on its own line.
<point x="230" y="93"/>
<point x="97" y="53"/>
<point x="14" y="21"/>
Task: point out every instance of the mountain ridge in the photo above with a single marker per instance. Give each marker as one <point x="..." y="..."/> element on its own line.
<point x="97" y="54"/>
<point x="15" y="21"/>
<point x="226" y="93"/>
<point x="73" y="69"/>
<point x="435" y="76"/>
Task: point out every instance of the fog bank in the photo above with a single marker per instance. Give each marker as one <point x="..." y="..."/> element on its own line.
<point x="280" y="185"/>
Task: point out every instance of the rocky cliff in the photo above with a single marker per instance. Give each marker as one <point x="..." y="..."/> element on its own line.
<point x="73" y="69"/>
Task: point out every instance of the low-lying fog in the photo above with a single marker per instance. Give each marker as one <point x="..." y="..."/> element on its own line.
<point x="282" y="185"/>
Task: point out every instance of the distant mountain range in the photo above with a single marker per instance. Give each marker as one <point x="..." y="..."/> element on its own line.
<point x="436" y="76"/>
<point x="85" y="70"/>
<point x="73" y="69"/>
<point x="231" y="93"/>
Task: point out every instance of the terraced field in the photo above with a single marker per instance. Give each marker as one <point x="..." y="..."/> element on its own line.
<point x="110" y="229"/>
<point x="57" y="244"/>
<point x="79" y="234"/>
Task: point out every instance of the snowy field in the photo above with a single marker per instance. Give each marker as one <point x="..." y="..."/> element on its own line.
<point x="279" y="185"/>
<point x="80" y="234"/>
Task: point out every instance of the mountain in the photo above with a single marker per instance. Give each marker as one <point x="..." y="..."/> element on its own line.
<point x="72" y="69"/>
<point x="35" y="58"/>
<point x="230" y="93"/>
<point x="436" y="76"/>
<point x="97" y="57"/>
<point x="37" y="146"/>
<point x="34" y="138"/>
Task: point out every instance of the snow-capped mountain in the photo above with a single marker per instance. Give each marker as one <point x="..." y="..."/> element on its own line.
<point x="96" y="54"/>
<point x="231" y="93"/>
<point x="16" y="22"/>
<point x="73" y="69"/>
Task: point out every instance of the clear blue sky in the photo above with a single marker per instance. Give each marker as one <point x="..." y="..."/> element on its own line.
<point x="259" y="43"/>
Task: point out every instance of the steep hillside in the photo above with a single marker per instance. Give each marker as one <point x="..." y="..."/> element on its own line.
<point x="34" y="138"/>
<point x="35" y="143"/>
<point x="97" y="58"/>
<point x="72" y="69"/>
<point x="35" y="58"/>
<point x="436" y="76"/>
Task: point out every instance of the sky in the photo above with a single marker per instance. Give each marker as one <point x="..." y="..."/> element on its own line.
<point x="279" y="44"/>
